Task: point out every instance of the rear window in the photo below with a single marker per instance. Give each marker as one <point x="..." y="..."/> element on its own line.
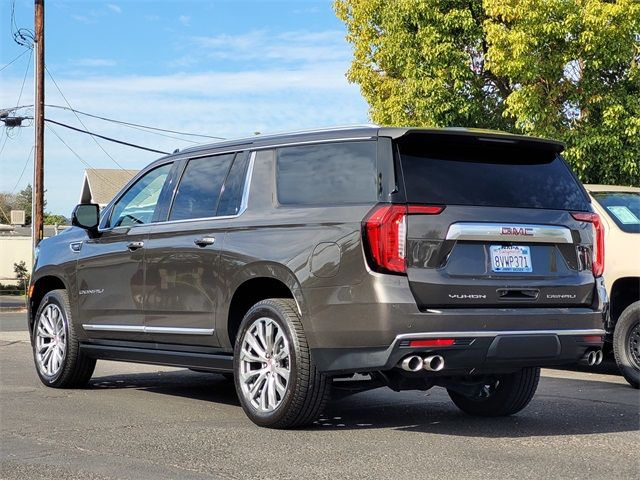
<point x="335" y="173"/>
<point x="488" y="174"/>
<point x="623" y="208"/>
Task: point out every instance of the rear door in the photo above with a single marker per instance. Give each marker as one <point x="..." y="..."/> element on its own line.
<point x="506" y="236"/>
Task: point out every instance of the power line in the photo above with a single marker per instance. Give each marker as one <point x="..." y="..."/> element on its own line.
<point x="85" y="163"/>
<point x="25" y="77"/>
<point x="138" y="125"/>
<point x="15" y="59"/>
<point x="81" y="122"/>
<point x="23" y="170"/>
<point x="106" y="138"/>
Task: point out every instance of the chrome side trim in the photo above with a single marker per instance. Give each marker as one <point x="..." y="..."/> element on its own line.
<point x="143" y="329"/>
<point x="496" y="333"/>
<point x="500" y="232"/>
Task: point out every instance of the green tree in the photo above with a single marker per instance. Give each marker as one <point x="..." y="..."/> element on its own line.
<point x="564" y="69"/>
<point x="22" y="274"/>
<point x="53" y="219"/>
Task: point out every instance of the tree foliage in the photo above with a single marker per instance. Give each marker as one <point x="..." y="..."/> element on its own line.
<point x="22" y="201"/>
<point x="566" y="69"/>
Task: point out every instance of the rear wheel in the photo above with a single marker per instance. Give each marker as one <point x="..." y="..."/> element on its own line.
<point x="626" y="344"/>
<point x="56" y="351"/>
<point x="275" y="376"/>
<point x="504" y="395"/>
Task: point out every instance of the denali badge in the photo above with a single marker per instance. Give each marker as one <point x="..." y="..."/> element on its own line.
<point x="522" y="231"/>
<point x="95" y="291"/>
<point x="560" y="295"/>
<point x="458" y="296"/>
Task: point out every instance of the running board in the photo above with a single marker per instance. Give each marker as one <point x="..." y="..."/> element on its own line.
<point x="203" y="361"/>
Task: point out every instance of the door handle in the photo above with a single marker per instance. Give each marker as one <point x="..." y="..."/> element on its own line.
<point x="134" y="246"/>
<point x="204" y="241"/>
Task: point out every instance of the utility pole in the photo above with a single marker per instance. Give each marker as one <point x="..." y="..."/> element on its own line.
<point x="37" y="209"/>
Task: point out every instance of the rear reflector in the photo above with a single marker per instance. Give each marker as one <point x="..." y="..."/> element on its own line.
<point x="592" y="339"/>
<point x="432" y="342"/>
<point x="597" y="262"/>
<point x="385" y="233"/>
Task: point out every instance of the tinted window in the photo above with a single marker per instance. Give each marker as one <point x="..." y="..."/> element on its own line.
<point x="623" y="208"/>
<point x="327" y="174"/>
<point x="199" y="189"/>
<point x="137" y="205"/>
<point x="488" y="175"/>
<point x="233" y="187"/>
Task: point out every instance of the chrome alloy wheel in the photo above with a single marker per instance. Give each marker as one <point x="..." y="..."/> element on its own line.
<point x="50" y="340"/>
<point x="265" y="365"/>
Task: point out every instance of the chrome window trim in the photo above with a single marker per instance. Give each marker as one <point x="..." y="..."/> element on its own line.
<point x="497" y="333"/>
<point x="492" y="232"/>
<point x="143" y="329"/>
<point x="244" y="203"/>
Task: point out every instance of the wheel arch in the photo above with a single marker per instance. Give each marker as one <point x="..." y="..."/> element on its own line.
<point x="254" y="283"/>
<point x="39" y="288"/>
<point x="624" y="292"/>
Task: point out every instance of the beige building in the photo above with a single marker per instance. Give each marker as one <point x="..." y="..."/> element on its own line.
<point x="100" y="185"/>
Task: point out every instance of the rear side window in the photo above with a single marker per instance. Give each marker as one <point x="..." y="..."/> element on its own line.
<point x="200" y="187"/>
<point x="497" y="175"/>
<point x="335" y="173"/>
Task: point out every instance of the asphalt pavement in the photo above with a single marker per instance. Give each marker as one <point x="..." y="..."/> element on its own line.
<point x="150" y="422"/>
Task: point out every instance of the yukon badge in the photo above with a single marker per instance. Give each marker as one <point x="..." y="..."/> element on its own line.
<point x="466" y="297"/>
<point x="517" y="231"/>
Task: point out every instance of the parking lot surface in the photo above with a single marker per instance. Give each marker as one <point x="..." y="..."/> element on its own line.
<point x="150" y="422"/>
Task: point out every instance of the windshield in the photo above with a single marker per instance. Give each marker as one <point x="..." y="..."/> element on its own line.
<point x="622" y="207"/>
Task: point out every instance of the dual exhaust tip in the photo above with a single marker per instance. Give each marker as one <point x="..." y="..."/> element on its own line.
<point x="592" y="357"/>
<point x="415" y="363"/>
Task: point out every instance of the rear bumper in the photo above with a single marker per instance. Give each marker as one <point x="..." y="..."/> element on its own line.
<point x="472" y="352"/>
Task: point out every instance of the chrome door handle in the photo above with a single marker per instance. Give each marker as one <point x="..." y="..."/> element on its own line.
<point x="135" y="246"/>
<point x="204" y="241"/>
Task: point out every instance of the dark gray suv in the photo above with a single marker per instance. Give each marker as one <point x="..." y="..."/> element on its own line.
<point x="454" y="258"/>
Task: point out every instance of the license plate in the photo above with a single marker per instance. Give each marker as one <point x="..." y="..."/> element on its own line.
<point x="510" y="259"/>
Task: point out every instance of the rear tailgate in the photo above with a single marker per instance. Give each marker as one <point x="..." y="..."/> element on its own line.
<point x="506" y="237"/>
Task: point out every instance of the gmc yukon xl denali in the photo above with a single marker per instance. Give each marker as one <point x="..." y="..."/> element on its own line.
<point x="417" y="258"/>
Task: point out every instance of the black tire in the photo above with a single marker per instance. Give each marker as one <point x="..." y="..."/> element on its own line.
<point x="511" y="394"/>
<point x="626" y="344"/>
<point x="75" y="368"/>
<point x="306" y="391"/>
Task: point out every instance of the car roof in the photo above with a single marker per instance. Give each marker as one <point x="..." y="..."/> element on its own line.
<point x="370" y="131"/>
<point x="611" y="188"/>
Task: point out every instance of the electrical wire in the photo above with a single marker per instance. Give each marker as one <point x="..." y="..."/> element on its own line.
<point x="25" y="78"/>
<point x="84" y="162"/>
<point x="15" y="59"/>
<point x="23" y="170"/>
<point x="106" y="138"/>
<point x="81" y="122"/>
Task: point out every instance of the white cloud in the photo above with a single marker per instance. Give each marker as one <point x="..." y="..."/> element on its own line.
<point x="114" y="8"/>
<point x="185" y="20"/>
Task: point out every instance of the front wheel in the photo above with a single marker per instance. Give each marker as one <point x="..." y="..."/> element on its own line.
<point x="626" y="344"/>
<point x="59" y="361"/>
<point x="275" y="376"/>
<point x="503" y="395"/>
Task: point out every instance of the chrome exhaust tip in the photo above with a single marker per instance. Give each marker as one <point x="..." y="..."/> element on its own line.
<point x="591" y="358"/>
<point x="434" y="363"/>
<point x="412" y="363"/>
<point x="598" y="357"/>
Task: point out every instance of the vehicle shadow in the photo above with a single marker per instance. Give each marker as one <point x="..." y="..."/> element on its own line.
<point x="208" y="387"/>
<point x="561" y="407"/>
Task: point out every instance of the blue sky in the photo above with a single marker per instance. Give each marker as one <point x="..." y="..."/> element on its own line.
<point x="224" y="68"/>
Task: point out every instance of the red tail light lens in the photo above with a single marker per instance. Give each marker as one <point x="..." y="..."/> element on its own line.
<point x="598" y="239"/>
<point x="433" y="342"/>
<point x="385" y="230"/>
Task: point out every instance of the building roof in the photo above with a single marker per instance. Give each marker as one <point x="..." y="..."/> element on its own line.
<point x="100" y="185"/>
<point x="19" y="231"/>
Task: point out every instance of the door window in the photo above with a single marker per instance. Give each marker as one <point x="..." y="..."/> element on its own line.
<point x="200" y="187"/>
<point x="137" y="206"/>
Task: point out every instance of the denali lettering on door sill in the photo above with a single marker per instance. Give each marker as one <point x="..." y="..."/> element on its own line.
<point x="458" y="296"/>
<point x="95" y="291"/>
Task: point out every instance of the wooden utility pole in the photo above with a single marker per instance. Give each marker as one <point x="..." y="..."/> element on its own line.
<point x="37" y="210"/>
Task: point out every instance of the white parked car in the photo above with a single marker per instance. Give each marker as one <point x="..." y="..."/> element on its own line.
<point x="619" y="209"/>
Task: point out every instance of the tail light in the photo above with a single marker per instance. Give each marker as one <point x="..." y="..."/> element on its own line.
<point x="385" y="232"/>
<point x="597" y="261"/>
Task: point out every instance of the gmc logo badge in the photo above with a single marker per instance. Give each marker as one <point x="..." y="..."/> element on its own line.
<point x="523" y="231"/>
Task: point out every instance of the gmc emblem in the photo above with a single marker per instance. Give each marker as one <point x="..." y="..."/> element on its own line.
<point x="523" y="231"/>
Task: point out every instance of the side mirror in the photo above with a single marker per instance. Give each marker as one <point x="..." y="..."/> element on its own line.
<point x="86" y="215"/>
